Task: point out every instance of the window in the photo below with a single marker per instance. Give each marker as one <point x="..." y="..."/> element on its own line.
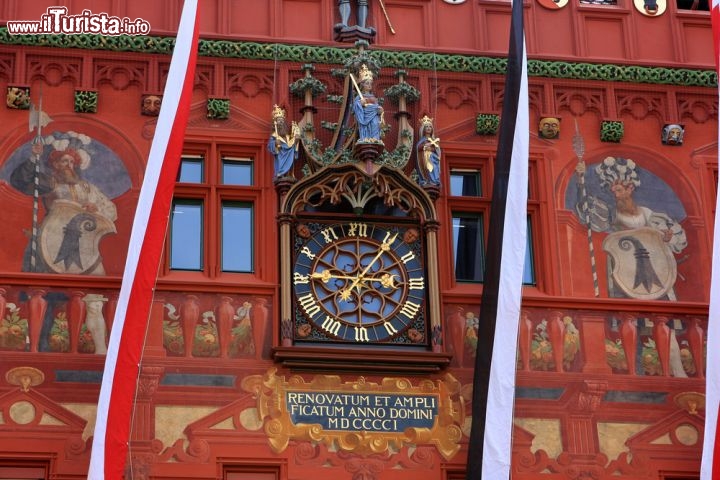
<point x="468" y="247"/>
<point x="702" y="5"/>
<point x="191" y="169"/>
<point x="237" y="171"/>
<point x="212" y="224"/>
<point x="529" y="268"/>
<point x="22" y="470"/>
<point x="470" y="211"/>
<point x="465" y="183"/>
<point x="250" y="471"/>
<point x="237" y="244"/>
<point x="186" y="235"/>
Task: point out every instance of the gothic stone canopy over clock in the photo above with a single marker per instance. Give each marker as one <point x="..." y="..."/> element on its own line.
<point x="359" y="272"/>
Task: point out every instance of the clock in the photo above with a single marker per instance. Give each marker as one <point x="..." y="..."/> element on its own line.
<point x="454" y="2"/>
<point x="359" y="282"/>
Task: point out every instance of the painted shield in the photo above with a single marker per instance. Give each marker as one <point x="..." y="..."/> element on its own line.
<point x="69" y="237"/>
<point x="643" y="265"/>
<point x="553" y="4"/>
<point x="650" y="8"/>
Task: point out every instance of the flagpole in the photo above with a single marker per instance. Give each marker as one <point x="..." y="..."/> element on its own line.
<point x="579" y="148"/>
<point x="36" y="187"/>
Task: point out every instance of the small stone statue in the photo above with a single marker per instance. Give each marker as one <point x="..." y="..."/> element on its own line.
<point x="672" y="134"/>
<point x="346" y="32"/>
<point x="369" y="115"/>
<point x="428" y="153"/>
<point x="549" y="128"/>
<point x="283" y="143"/>
<point x="150" y="105"/>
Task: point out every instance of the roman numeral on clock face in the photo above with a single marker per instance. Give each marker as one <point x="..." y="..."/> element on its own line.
<point x="390" y="328"/>
<point x="329" y="235"/>
<point x="357" y="230"/>
<point x="331" y="325"/>
<point x="361" y="334"/>
<point x="407" y="257"/>
<point x="410" y="309"/>
<point x="309" y="304"/>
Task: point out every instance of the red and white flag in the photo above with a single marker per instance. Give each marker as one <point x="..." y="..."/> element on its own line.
<point x="127" y="339"/>
<point x="711" y="447"/>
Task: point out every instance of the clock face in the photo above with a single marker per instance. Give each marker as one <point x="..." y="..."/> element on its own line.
<point x="360" y="282"/>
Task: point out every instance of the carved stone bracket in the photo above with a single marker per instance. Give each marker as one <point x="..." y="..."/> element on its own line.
<point x="25" y="377"/>
<point x="588" y="399"/>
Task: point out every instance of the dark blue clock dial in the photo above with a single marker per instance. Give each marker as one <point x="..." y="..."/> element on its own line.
<point x="360" y="282"/>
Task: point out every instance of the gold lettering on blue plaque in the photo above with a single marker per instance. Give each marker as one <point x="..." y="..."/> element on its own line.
<point x="359" y="416"/>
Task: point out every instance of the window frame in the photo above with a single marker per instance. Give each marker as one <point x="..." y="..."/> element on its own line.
<point x="482" y="161"/>
<point x="234" y="469"/>
<point x="482" y="217"/>
<point x="213" y="194"/>
<point x="221" y="237"/>
<point x="203" y="214"/>
<point x="24" y="469"/>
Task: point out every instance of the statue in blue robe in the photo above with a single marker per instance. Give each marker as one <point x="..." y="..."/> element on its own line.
<point x="428" y="153"/>
<point x="283" y="143"/>
<point x="369" y="115"/>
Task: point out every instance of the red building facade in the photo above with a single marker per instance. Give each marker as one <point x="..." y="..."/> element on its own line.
<point x="240" y="377"/>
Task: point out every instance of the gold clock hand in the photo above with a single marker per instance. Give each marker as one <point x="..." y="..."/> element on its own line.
<point x="325" y="276"/>
<point x="387" y="280"/>
<point x="384" y="247"/>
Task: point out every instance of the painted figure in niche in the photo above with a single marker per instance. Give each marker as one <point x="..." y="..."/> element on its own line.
<point x="428" y="153"/>
<point x="95" y="321"/>
<point x="283" y="143"/>
<point x="644" y="234"/>
<point x="472" y="323"/>
<point x="672" y="134"/>
<point x="549" y="128"/>
<point x="150" y="105"/>
<point x="18" y="98"/>
<point x="242" y="333"/>
<point x="543" y="355"/>
<point x="231" y="336"/>
<point x="78" y="209"/>
<point x="642" y="217"/>
<point x="369" y="115"/>
<point x="13" y="328"/>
